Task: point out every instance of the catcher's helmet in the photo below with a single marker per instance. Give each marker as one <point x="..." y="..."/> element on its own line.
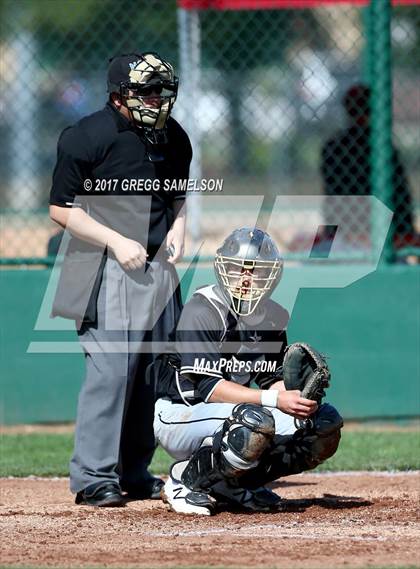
<point x="248" y="266"/>
<point x="147" y="85"/>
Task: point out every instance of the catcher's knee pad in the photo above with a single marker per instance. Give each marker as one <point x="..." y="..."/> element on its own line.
<point x="234" y="450"/>
<point x="245" y="435"/>
<point x="327" y="432"/>
<point x="304" y="450"/>
<point x="311" y="446"/>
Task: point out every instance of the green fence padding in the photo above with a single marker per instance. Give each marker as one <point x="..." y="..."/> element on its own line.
<point x="35" y="387"/>
<point x="370" y="331"/>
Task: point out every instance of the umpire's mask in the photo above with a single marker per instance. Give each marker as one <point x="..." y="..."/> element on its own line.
<point x="147" y="85"/>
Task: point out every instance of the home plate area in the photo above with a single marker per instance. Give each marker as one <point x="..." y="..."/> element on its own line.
<point x="329" y="520"/>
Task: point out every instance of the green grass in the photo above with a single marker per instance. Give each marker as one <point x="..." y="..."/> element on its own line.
<point x="48" y="454"/>
<point x="372" y="450"/>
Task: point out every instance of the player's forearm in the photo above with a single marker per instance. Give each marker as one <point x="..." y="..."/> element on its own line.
<point x="278" y="385"/>
<point x="229" y="392"/>
<point x="83" y="226"/>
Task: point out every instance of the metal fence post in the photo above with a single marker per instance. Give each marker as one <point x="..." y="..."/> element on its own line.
<point x="24" y="189"/>
<point x="190" y="62"/>
<point x="381" y="119"/>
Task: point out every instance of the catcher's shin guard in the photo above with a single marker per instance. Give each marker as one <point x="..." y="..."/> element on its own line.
<point x="245" y="435"/>
<point x="234" y="450"/>
<point x="201" y="473"/>
<point x="304" y="450"/>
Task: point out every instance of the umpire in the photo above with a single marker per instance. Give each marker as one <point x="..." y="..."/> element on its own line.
<point x="118" y="280"/>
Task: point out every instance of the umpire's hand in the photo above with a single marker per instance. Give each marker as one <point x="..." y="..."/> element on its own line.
<point x="130" y="254"/>
<point x="175" y="242"/>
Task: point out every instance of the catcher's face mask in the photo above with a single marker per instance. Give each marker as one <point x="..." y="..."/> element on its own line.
<point x="247" y="281"/>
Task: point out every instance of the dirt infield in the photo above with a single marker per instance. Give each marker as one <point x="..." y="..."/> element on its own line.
<point x="330" y="521"/>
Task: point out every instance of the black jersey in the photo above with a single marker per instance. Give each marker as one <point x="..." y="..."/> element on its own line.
<point x="110" y="152"/>
<point x="211" y="344"/>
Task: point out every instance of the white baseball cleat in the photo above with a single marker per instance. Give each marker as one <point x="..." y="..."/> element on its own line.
<point x="259" y="500"/>
<point x="181" y="499"/>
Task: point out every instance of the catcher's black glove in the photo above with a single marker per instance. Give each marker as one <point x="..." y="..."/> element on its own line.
<point x="305" y="369"/>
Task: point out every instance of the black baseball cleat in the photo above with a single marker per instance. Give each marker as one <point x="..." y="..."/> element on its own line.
<point x="147" y="490"/>
<point x="104" y="495"/>
<point x="258" y="500"/>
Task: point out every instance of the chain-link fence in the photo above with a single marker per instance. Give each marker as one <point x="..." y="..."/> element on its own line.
<point x="279" y="102"/>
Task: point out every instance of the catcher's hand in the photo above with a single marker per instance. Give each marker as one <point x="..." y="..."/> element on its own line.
<point x="292" y="403"/>
<point x="305" y="369"/>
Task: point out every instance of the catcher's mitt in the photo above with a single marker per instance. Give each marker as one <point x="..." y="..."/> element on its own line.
<point x="305" y="369"/>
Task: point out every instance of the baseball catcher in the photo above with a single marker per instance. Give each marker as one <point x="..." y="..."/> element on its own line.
<point x="228" y="438"/>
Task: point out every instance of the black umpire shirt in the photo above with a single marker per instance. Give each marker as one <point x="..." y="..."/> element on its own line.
<point x="105" y="166"/>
